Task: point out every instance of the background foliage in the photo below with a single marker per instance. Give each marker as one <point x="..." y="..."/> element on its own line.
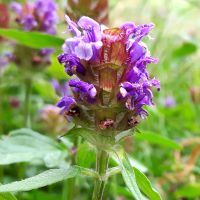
<point x="167" y="149"/>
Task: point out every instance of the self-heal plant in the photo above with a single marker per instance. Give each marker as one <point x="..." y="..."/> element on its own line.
<point x="110" y="88"/>
<point x="112" y="84"/>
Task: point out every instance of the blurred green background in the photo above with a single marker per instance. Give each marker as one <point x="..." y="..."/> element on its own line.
<point x="174" y="172"/>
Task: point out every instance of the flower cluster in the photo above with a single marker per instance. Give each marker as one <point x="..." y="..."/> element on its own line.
<point x="39" y="16"/>
<point x="112" y="84"/>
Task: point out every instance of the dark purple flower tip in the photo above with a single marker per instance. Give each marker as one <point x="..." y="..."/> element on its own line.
<point x="72" y="64"/>
<point x="66" y="103"/>
<point x="86" y="91"/>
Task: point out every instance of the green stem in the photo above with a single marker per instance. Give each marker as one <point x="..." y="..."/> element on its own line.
<point x="27" y="119"/>
<point x="101" y="167"/>
<point x="69" y="185"/>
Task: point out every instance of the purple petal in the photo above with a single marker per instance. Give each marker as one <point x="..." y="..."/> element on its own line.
<point x="66" y="103"/>
<point x="87" y="23"/>
<point x="129" y="27"/>
<point x="72" y="26"/>
<point x="84" y="51"/>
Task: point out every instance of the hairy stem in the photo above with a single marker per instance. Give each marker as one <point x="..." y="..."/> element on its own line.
<point x="101" y="167"/>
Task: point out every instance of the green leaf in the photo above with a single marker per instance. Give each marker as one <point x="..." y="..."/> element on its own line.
<point x="26" y="145"/>
<point x="36" y="40"/>
<point x="189" y="191"/>
<point x="158" y="139"/>
<point x="185" y="49"/>
<point x="7" y="196"/>
<point x="85" y="155"/>
<point x="135" y="163"/>
<point x="46" y="178"/>
<point x="145" y="185"/>
<point x="127" y="172"/>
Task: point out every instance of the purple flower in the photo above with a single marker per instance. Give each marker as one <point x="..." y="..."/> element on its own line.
<point x="67" y="104"/>
<point x="87" y="42"/>
<point x="61" y="89"/>
<point x="40" y="15"/>
<point x="111" y="64"/>
<point x="85" y="91"/>
<point x="169" y="102"/>
<point x="46" y="52"/>
<point x="72" y="64"/>
<point x="5" y="59"/>
<point x="17" y="7"/>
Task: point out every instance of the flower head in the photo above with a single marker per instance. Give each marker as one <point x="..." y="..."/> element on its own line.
<point x="39" y="16"/>
<point x="112" y="85"/>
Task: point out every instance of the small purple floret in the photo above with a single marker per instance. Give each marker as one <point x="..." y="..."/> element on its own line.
<point x="66" y="103"/>
<point x="86" y="91"/>
<point x="72" y="64"/>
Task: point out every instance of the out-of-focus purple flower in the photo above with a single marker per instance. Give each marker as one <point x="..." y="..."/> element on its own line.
<point x="54" y="123"/>
<point x="114" y="84"/>
<point x="40" y="16"/>
<point x="169" y="102"/>
<point x="5" y="59"/>
<point x="60" y="88"/>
